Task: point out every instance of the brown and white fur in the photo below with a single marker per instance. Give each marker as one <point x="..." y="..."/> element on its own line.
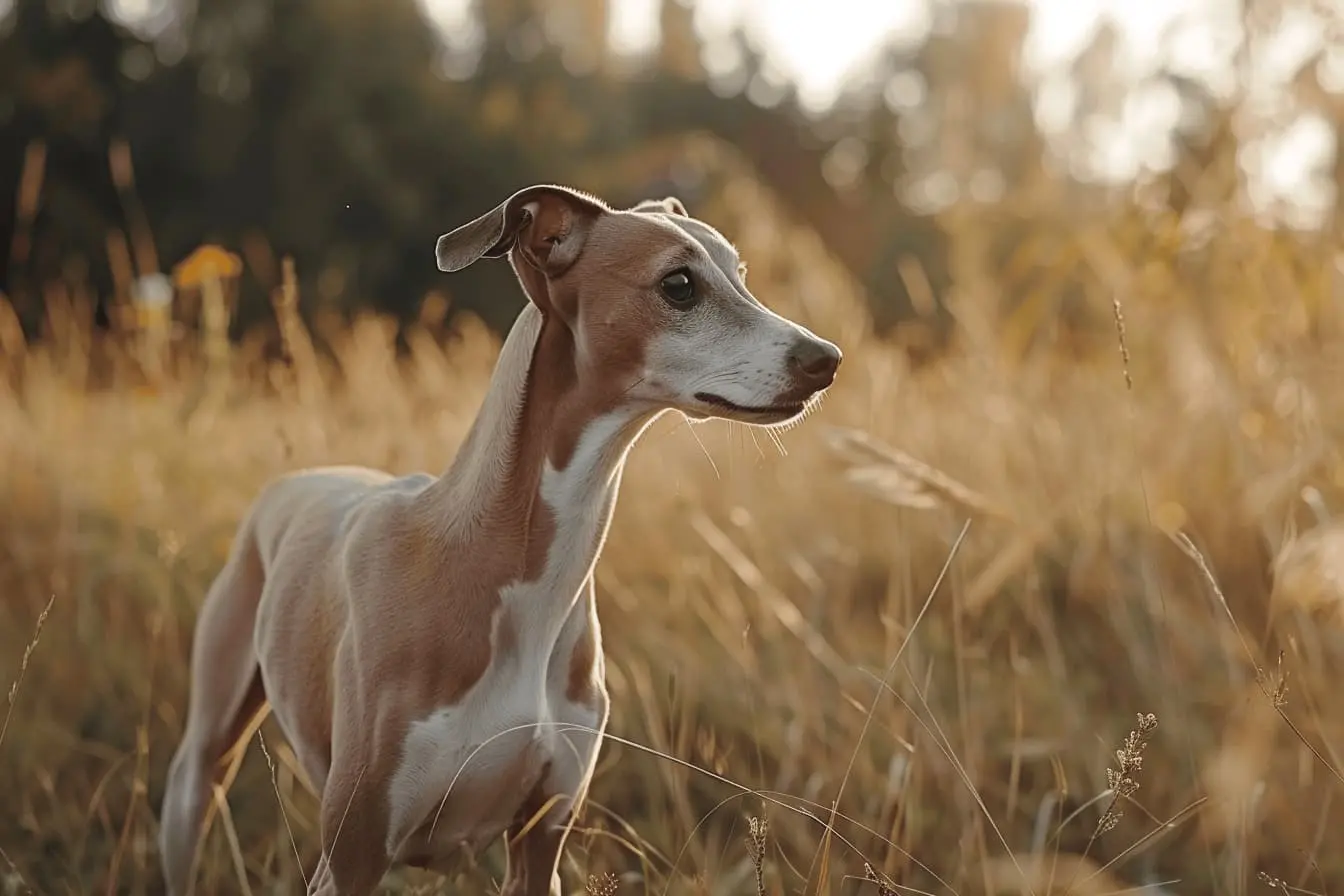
<point x="430" y="645"/>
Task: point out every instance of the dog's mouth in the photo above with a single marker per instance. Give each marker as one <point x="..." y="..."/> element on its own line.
<point x="783" y="411"/>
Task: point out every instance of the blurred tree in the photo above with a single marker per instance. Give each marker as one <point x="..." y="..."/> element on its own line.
<point x="323" y="130"/>
<point x="350" y="134"/>
<point x="1204" y="173"/>
<point x="982" y="134"/>
<point x="951" y="122"/>
<point x="60" y="91"/>
<point x="678" y="48"/>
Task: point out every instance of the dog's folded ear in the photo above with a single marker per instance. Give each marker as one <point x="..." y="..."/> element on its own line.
<point x="669" y="205"/>
<point x="546" y="223"/>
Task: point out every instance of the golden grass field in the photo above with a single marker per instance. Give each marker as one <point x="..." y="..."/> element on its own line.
<point x="779" y="627"/>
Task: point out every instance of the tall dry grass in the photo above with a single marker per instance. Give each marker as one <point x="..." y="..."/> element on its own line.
<point x="943" y="599"/>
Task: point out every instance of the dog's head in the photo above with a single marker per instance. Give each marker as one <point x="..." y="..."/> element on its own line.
<point x="656" y="303"/>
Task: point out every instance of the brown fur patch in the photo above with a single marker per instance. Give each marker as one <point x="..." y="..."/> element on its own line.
<point x="506" y="634"/>
<point x="579" y="686"/>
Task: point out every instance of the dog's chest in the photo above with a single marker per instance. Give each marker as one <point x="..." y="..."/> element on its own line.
<point x="462" y="781"/>
<point x="464" y="773"/>
<point x="466" y="770"/>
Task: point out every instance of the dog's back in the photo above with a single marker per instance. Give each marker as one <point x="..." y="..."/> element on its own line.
<point x="308" y="510"/>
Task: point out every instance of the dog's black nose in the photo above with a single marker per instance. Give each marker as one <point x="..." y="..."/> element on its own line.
<point x="815" y="361"/>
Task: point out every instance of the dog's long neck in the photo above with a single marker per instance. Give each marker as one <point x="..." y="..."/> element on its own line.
<point x="535" y="482"/>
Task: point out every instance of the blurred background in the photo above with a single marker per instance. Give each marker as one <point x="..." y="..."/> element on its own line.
<point x="347" y="134"/>
<point x="1083" y="256"/>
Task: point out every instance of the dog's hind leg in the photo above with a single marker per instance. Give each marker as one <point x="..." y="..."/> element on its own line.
<point x="226" y="704"/>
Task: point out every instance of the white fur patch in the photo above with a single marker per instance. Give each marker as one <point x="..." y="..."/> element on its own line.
<point x="740" y="352"/>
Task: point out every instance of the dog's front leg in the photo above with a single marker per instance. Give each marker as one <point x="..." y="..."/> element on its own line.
<point x="355" y="812"/>
<point x="534" y="854"/>
<point x="536" y="844"/>
<point x="354" y="819"/>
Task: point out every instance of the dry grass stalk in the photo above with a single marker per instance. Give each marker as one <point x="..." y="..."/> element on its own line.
<point x="1056" y="873"/>
<point x="756" y="840"/>
<point x="900" y="479"/>
<point x="297" y="341"/>
<point x="884" y="886"/>
<point x="1274" y="689"/>
<point x="1121" y="780"/>
<point x="23" y="667"/>
<point x="1273" y="883"/>
<point x="603" y="884"/>
<point x="1309" y="575"/>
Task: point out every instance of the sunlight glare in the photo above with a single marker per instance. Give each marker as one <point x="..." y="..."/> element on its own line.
<point x="1291" y="165"/>
<point x="447" y="15"/>
<point x="633" y="29"/>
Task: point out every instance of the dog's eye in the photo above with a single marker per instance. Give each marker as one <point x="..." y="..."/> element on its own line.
<point x="678" y="289"/>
